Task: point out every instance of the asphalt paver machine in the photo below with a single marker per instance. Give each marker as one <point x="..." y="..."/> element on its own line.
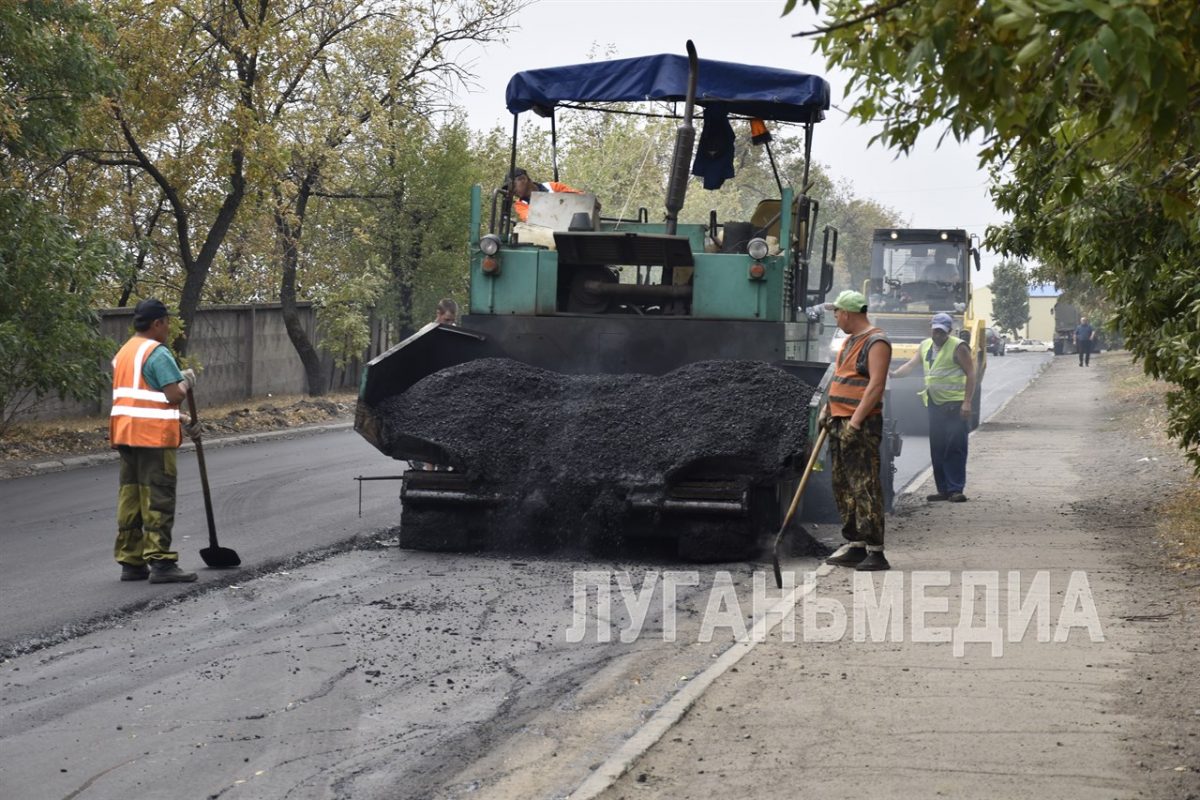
<point x="580" y="293"/>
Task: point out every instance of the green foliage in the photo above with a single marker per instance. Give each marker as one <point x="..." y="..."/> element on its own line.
<point x="232" y="122"/>
<point x="50" y="339"/>
<point x="1010" y="296"/>
<point x="419" y="231"/>
<point x="1087" y="113"/>
<point x="344" y="312"/>
<point x="49" y="332"/>
<point x="49" y="70"/>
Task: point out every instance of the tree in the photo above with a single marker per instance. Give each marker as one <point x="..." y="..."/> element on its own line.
<point x="1087" y="114"/>
<point x="50" y="339"/>
<point x="1010" y="296"/>
<point x="240" y="116"/>
<point x="420" y="232"/>
<point x="49" y="334"/>
<point x="402" y="64"/>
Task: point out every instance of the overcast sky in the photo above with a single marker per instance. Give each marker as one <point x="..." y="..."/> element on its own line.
<point x="934" y="187"/>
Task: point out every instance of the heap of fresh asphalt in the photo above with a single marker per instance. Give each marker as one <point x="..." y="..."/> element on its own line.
<point x="571" y="447"/>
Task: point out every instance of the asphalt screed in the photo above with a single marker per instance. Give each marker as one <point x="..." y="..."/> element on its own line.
<point x="566" y="451"/>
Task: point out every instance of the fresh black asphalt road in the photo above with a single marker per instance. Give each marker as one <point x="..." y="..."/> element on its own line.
<point x="274" y="500"/>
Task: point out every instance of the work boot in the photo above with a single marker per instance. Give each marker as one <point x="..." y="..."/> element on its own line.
<point x="958" y="497"/>
<point x="937" y="496"/>
<point x="847" y="556"/>
<point x="874" y="561"/>
<point x="134" y="572"/>
<point x="169" y="572"/>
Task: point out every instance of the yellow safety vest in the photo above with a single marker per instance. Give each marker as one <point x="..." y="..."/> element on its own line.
<point x="945" y="380"/>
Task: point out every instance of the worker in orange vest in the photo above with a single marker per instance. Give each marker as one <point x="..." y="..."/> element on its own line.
<point x="146" y="429"/>
<point x="854" y="419"/>
<point x="522" y="187"/>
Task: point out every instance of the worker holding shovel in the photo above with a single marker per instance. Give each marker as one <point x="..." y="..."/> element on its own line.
<point x="145" y="428"/>
<point x="854" y="419"/>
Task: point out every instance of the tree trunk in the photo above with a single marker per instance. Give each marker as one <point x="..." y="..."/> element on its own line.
<point x="289" y="233"/>
<point x="400" y="258"/>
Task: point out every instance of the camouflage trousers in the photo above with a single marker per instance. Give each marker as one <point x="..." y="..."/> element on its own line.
<point x="145" y="505"/>
<point x="856" y="485"/>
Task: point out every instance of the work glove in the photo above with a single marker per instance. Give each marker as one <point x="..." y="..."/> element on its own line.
<point x="848" y="433"/>
<point x="189" y="379"/>
<point x="192" y="429"/>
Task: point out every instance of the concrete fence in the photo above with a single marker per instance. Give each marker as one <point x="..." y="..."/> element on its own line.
<point x="243" y="350"/>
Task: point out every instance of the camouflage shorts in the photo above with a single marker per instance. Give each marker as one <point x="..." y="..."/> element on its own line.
<point x="856" y="485"/>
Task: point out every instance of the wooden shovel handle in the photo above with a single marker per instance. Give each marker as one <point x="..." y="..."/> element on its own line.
<point x="208" y="508"/>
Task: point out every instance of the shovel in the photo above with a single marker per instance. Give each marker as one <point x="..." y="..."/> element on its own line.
<point x="214" y="555"/>
<point x="791" y="512"/>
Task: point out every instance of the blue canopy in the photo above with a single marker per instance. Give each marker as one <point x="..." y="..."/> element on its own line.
<point x="764" y="92"/>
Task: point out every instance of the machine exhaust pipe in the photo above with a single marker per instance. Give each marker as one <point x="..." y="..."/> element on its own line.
<point x="685" y="142"/>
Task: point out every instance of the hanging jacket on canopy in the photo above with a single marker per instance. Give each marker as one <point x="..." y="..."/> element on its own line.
<point x="850" y="376"/>
<point x="945" y="380"/>
<point x="141" y="416"/>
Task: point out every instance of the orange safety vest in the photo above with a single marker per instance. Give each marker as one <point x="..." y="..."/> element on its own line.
<point x="141" y="416"/>
<point x="850" y="376"/>
<point x="522" y="206"/>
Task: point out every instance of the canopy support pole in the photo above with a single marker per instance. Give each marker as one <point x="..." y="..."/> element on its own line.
<point x="775" y="169"/>
<point x="553" y="145"/>
<point x="506" y="213"/>
<point x="808" y="132"/>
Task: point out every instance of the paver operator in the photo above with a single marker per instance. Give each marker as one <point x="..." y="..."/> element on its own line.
<point x="146" y="429"/>
<point x="523" y="187"/>
<point x="446" y="312"/>
<point x="854" y="420"/>
<point x="949" y="388"/>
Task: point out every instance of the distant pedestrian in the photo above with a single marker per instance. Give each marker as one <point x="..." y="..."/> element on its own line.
<point x="145" y="428"/>
<point x="1085" y="336"/>
<point x="949" y="388"/>
<point x="854" y="419"/>
<point x="447" y="312"/>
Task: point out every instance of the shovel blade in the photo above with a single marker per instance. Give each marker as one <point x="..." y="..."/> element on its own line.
<point x="220" y="557"/>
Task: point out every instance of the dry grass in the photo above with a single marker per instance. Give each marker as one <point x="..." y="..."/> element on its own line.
<point x="1144" y="403"/>
<point x="1143" y="399"/>
<point x="78" y="435"/>
<point x="1179" y="527"/>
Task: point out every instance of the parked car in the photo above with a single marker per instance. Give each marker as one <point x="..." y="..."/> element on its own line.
<point x="1030" y="346"/>
<point x="995" y="342"/>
